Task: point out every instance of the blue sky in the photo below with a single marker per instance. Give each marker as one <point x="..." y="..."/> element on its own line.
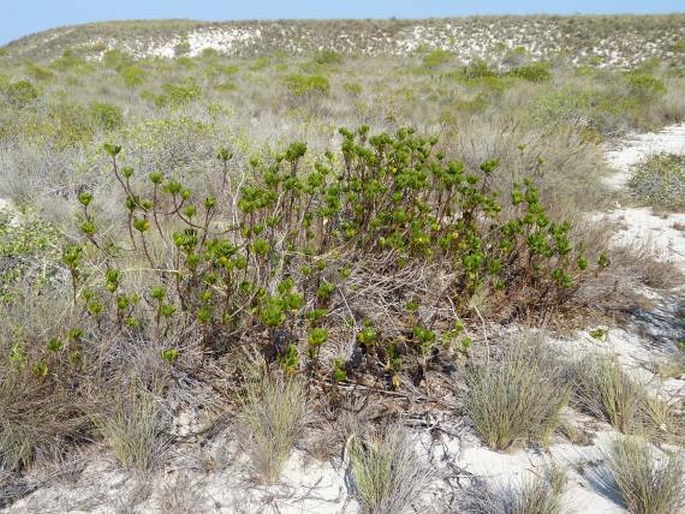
<point x="22" y="17"/>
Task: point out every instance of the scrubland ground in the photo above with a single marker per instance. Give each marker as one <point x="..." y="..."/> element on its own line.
<point x="330" y="281"/>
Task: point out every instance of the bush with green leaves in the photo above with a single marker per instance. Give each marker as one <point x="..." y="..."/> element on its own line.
<point x="308" y="85"/>
<point x="107" y="116"/>
<point x="660" y="181"/>
<point x="272" y="253"/>
<point x="21" y="93"/>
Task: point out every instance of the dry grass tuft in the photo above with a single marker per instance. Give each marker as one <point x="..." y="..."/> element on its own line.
<point x="648" y="483"/>
<point x="386" y="472"/>
<point x="605" y="391"/>
<point x="134" y="430"/>
<point x="516" y="397"/>
<point x="541" y="495"/>
<point x="275" y="413"/>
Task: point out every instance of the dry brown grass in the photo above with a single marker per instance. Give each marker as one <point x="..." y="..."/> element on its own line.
<point x="275" y="413"/>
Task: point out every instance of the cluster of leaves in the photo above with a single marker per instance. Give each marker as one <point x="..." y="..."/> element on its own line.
<point x="268" y="255"/>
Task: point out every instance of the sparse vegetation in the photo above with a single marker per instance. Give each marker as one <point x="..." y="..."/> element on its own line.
<point x="604" y="390"/>
<point x="195" y="253"/>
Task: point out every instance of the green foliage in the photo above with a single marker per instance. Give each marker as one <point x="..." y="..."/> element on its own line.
<point x="176" y="95"/>
<point x="534" y="72"/>
<point x="21" y="93"/>
<point x="38" y="73"/>
<point x="643" y="86"/>
<point x="660" y="181"/>
<point x="328" y="58"/>
<point x="437" y="58"/>
<point x="107" y="116"/>
<point x="132" y="76"/>
<point x="393" y="198"/>
<point x="28" y="251"/>
<point x="117" y="59"/>
<point x="308" y="85"/>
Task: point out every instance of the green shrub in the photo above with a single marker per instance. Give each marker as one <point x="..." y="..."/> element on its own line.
<point x="306" y="85"/>
<point x="478" y="69"/>
<point x="535" y="72"/>
<point x="394" y="199"/>
<point x="117" y="59"/>
<point x="28" y="252"/>
<point x="328" y="58"/>
<point x="437" y="58"/>
<point x="107" y="116"/>
<point x="643" y="86"/>
<point x="660" y="181"/>
<point x="177" y="95"/>
<point x="21" y="93"/>
<point x="132" y="76"/>
<point x="38" y="73"/>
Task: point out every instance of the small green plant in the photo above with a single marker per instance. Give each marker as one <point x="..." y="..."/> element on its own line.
<point x="600" y="334"/>
<point x="437" y="58"/>
<point x="107" y="116"/>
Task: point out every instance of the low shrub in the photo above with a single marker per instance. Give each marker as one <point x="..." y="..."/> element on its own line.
<point x="659" y="181"/>
<point x="21" y="93"/>
<point x="437" y="58"/>
<point x="107" y="116"/>
<point x="307" y="85"/>
<point x="534" y="72"/>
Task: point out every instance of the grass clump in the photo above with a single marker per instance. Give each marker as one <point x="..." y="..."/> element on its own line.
<point x="516" y="397"/>
<point x="387" y="474"/>
<point x="134" y="430"/>
<point x="647" y="483"/>
<point x="540" y="495"/>
<point x="604" y="390"/>
<point x="660" y="181"/>
<point x="275" y="413"/>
